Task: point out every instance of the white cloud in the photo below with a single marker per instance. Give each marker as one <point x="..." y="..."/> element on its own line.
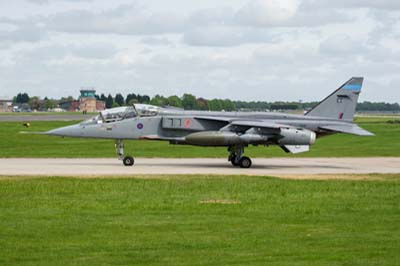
<point x="225" y="36"/>
<point x="126" y="20"/>
<point x="42" y="2"/>
<point x="379" y="4"/>
<point x="157" y="41"/>
<point x="267" y="12"/>
<point x="271" y="50"/>
<point x="23" y="32"/>
<point x="213" y="16"/>
<point x="50" y="54"/>
<point x="341" y="45"/>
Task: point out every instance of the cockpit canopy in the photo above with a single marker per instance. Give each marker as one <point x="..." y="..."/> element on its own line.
<point x="118" y="114"/>
<point x="122" y="113"/>
<point x="147" y="109"/>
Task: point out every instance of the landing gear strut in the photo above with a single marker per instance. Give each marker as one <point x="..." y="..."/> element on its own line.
<point x="236" y="157"/>
<point x="119" y="150"/>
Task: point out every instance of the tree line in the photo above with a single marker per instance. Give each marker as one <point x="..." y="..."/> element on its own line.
<point x="191" y="102"/>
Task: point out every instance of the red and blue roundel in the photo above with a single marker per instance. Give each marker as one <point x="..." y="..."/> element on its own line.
<point x="140" y="126"/>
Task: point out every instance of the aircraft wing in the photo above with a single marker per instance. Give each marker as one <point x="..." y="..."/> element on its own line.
<point x="214" y="118"/>
<point x="245" y="123"/>
<point x="260" y="124"/>
<point x="269" y="127"/>
<point x="342" y="128"/>
<point x="348" y="129"/>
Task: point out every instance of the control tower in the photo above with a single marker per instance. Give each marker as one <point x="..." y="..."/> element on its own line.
<point x="87" y="101"/>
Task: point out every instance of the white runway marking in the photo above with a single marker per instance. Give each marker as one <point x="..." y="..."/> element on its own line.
<point x="263" y="167"/>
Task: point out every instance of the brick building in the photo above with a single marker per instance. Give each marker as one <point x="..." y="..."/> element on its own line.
<point x="87" y="103"/>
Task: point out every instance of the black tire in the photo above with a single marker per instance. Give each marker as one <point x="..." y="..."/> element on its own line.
<point x="234" y="163"/>
<point x="129" y="161"/>
<point x="233" y="160"/>
<point x="245" y="162"/>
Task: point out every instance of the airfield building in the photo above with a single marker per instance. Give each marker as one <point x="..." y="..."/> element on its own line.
<point x="87" y="103"/>
<point x="6" y="106"/>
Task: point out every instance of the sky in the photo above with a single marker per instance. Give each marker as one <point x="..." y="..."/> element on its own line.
<point x="266" y="50"/>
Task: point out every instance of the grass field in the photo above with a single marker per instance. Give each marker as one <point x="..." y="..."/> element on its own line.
<point x="199" y="221"/>
<point x="42" y="113"/>
<point x="12" y="144"/>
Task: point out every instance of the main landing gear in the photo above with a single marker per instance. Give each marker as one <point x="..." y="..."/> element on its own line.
<point x="119" y="149"/>
<point x="236" y="157"/>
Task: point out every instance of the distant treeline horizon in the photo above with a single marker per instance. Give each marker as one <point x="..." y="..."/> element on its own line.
<point x="191" y="102"/>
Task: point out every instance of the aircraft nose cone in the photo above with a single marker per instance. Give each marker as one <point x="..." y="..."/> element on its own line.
<point x="69" y="131"/>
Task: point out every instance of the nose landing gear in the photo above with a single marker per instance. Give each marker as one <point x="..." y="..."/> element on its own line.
<point x="128" y="161"/>
<point x="236" y="157"/>
<point x="119" y="149"/>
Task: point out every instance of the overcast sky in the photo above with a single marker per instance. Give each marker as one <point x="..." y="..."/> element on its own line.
<point x="244" y="50"/>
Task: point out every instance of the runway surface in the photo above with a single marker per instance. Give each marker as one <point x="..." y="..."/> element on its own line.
<point x="263" y="167"/>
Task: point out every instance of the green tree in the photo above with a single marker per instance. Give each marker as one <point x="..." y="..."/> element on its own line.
<point x="174" y="101"/>
<point x="130" y="97"/>
<point x="22" y="98"/>
<point x="189" y="102"/>
<point x="202" y="104"/>
<point x="49" y="104"/>
<point x="34" y="103"/>
<point x="67" y="99"/>
<point x="109" y="102"/>
<point x="215" y="105"/>
<point x="159" y="100"/>
<point x="143" y="99"/>
<point x="103" y="98"/>
<point x="119" y="99"/>
<point x="25" y="98"/>
<point x="228" y="105"/>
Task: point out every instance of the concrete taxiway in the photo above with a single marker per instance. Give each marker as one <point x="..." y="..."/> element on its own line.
<point x="263" y="167"/>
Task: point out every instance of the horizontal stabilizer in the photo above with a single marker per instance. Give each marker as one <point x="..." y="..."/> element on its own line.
<point x="295" y="149"/>
<point x="348" y="129"/>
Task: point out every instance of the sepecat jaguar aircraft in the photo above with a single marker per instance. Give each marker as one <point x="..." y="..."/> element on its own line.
<point x="235" y="130"/>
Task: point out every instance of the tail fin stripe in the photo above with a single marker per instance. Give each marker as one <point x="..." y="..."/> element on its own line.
<point x="352" y="87"/>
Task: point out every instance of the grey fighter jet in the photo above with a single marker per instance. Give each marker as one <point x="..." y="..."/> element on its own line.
<point x="235" y="130"/>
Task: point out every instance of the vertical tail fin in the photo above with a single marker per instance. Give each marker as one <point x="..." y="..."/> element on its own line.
<point x="342" y="103"/>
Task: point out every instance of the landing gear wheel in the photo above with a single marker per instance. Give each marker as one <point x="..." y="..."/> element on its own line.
<point x="129" y="161"/>
<point x="233" y="159"/>
<point x="245" y="162"/>
<point x="234" y="162"/>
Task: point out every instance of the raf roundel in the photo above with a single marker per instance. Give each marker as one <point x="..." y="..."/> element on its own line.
<point x="140" y="126"/>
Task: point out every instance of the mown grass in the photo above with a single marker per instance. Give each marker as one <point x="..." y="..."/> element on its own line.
<point x="12" y="144"/>
<point x="184" y="221"/>
<point x="42" y="113"/>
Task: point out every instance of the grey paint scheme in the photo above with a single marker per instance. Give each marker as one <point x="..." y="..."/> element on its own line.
<point x="294" y="133"/>
<point x="153" y="126"/>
